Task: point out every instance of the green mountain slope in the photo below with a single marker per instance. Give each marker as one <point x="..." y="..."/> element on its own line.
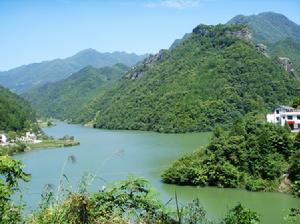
<point x="212" y="77"/>
<point x="23" y="78"/>
<point x="63" y="99"/>
<point x="269" y="27"/>
<point x="287" y="48"/>
<point x="278" y="33"/>
<point x="15" y="113"/>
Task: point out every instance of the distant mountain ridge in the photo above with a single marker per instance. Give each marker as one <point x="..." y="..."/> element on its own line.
<point x="65" y="98"/>
<point x="277" y="32"/>
<point x="269" y="27"/>
<point x="25" y="77"/>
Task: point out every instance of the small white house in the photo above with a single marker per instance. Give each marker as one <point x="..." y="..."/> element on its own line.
<point x="31" y="137"/>
<point x="286" y="115"/>
<point x="3" y="139"/>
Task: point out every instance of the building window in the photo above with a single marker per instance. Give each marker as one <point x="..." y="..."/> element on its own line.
<point x="277" y="118"/>
<point x="277" y="111"/>
<point x="298" y="117"/>
<point x="283" y="117"/>
<point x="290" y="117"/>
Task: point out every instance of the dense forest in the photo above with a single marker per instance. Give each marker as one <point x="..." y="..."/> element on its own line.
<point x="213" y="77"/>
<point x="253" y="154"/>
<point x="269" y="27"/>
<point x="64" y="99"/>
<point x="287" y="48"/>
<point x="15" y="113"/>
<point x="277" y="32"/>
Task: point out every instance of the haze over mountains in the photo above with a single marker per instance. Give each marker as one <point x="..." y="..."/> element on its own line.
<point x="25" y="77"/>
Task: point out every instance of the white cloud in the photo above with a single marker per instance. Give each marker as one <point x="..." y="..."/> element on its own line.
<point x="175" y="4"/>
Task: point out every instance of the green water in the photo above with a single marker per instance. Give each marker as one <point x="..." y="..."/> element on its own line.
<point x="112" y="155"/>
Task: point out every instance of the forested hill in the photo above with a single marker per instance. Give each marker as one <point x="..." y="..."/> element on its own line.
<point x="25" y="77"/>
<point x="269" y="27"/>
<point x="213" y="77"/>
<point x="15" y="113"/>
<point x="277" y="32"/>
<point x="63" y="99"/>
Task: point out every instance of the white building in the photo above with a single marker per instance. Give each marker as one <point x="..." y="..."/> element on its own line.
<point x="3" y="139"/>
<point x="286" y="115"/>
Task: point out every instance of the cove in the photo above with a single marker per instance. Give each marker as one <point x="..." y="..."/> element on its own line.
<point x="112" y="155"/>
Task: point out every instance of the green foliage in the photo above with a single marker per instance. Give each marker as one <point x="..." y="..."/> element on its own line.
<point x="294" y="216"/>
<point x="12" y="149"/>
<point x="252" y="155"/>
<point x="241" y="215"/>
<point x="287" y="48"/>
<point x="206" y="80"/>
<point x="129" y="201"/>
<point x="281" y="35"/>
<point x="64" y="99"/>
<point x="269" y="27"/>
<point x="11" y="172"/>
<point x="294" y="172"/>
<point x="15" y="113"/>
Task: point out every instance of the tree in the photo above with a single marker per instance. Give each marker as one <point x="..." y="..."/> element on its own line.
<point x="241" y="215"/>
<point x="11" y="171"/>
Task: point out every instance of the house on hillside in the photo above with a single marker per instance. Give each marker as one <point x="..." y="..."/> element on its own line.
<point x="30" y="137"/>
<point x="3" y="139"/>
<point x="286" y="115"/>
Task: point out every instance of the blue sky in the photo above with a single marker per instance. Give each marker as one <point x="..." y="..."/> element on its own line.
<point x="33" y="30"/>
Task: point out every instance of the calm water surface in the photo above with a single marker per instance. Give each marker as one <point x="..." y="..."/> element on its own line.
<point x="112" y="155"/>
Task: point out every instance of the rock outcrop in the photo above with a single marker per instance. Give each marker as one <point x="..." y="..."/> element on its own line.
<point x="239" y="31"/>
<point x="139" y="70"/>
<point x="261" y="48"/>
<point x="286" y="64"/>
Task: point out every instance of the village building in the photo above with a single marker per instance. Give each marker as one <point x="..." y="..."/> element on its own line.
<point x="286" y="115"/>
<point x="3" y="139"/>
<point x="31" y="137"/>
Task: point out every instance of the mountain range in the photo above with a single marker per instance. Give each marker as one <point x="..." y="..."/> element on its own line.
<point x="214" y="75"/>
<point x="280" y="35"/>
<point x="63" y="99"/>
<point x="269" y="27"/>
<point x="25" y="77"/>
<point x="277" y="32"/>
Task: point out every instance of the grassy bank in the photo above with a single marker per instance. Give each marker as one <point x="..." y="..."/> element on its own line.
<point x="54" y="143"/>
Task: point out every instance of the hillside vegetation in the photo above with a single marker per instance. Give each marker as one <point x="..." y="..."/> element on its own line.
<point x="269" y="27"/>
<point x="64" y="99"/>
<point x="23" y="78"/>
<point x="277" y="32"/>
<point x="287" y="48"/>
<point x="254" y="155"/>
<point x="15" y="113"/>
<point x="213" y="77"/>
<point x="130" y="201"/>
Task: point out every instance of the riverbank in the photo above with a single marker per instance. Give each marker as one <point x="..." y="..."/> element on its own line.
<point x="12" y="149"/>
<point x="54" y="143"/>
<point x="46" y="123"/>
<point x="112" y="154"/>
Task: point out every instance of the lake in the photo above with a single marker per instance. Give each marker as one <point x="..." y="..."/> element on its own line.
<point x="112" y="155"/>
